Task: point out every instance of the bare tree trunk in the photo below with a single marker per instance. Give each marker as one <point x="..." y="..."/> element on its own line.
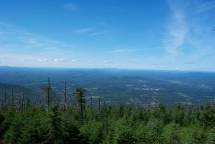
<point x="12" y="97"/>
<point x="5" y="97"/>
<point x="99" y="103"/>
<point x="22" y="101"/>
<point x="91" y="102"/>
<point x="1" y="98"/>
<point x="65" y="96"/>
<point x="48" y="93"/>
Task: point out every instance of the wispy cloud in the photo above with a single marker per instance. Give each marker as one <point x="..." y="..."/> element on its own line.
<point x="18" y="47"/>
<point x="90" y="31"/>
<point x="189" y="39"/>
<point x="71" y="6"/>
<point x="205" y="6"/>
<point x="177" y="29"/>
<point x="85" y="30"/>
<point x="15" y="39"/>
<point x="97" y="33"/>
<point x="124" y="50"/>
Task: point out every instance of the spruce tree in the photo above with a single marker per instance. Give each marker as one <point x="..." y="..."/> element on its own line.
<point x="55" y="132"/>
<point x="211" y="137"/>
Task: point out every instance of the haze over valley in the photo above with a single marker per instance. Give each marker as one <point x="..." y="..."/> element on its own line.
<point x="117" y="86"/>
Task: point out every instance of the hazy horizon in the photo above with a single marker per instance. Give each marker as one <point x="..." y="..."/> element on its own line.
<point x="94" y="68"/>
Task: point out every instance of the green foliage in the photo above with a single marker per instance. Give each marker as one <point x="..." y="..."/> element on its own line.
<point x="55" y="130"/>
<point x="14" y="133"/>
<point x="2" y="118"/>
<point x="211" y="137"/>
<point x="73" y="135"/>
<point x="174" y="139"/>
<point x="110" y="125"/>
<point x="207" y="116"/>
<point x="198" y="137"/>
<point x="154" y="132"/>
<point x="36" y="128"/>
<point x="94" y="130"/>
<point x="127" y="138"/>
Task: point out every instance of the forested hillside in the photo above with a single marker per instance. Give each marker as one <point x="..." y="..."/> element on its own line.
<point x="58" y="113"/>
<point x="80" y="124"/>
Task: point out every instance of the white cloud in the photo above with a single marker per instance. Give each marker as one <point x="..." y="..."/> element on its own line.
<point x="73" y="60"/>
<point x="41" y="60"/>
<point x="58" y="59"/>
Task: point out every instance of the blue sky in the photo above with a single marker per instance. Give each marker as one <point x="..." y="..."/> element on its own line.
<point x="132" y="34"/>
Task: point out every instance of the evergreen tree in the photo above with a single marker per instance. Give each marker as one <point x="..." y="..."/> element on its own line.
<point x="55" y="132"/>
<point x="174" y="138"/>
<point x="211" y="137"/>
<point x="14" y="133"/>
<point x="198" y="137"/>
<point x="36" y="129"/>
<point x="127" y="138"/>
<point x="207" y="116"/>
<point x="73" y="136"/>
<point x="2" y="118"/>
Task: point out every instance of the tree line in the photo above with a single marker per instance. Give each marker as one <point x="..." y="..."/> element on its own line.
<point x="20" y="99"/>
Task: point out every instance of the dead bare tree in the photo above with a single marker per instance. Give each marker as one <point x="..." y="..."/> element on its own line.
<point x="91" y="101"/>
<point x="65" y="96"/>
<point x="99" y="103"/>
<point x="12" y="97"/>
<point x="23" y="101"/>
<point x="81" y="100"/>
<point x="48" y="92"/>
<point x="5" y="97"/>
